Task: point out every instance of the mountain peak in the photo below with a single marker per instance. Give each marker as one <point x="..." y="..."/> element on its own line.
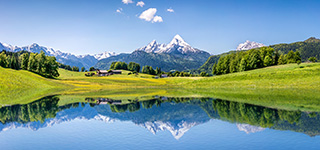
<point x="178" y="40"/>
<point x="177" y="46"/>
<point x="249" y="45"/>
<point x="34" y="45"/>
<point x="5" y="44"/>
<point x="153" y="42"/>
<point x="249" y="128"/>
<point x="178" y="37"/>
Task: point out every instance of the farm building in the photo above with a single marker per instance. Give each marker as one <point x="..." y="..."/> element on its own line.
<point x="107" y="72"/>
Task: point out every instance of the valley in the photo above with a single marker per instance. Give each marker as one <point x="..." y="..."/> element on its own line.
<point x="287" y="86"/>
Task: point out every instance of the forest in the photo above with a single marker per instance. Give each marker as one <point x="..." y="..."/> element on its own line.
<point x="253" y="59"/>
<point x="41" y="64"/>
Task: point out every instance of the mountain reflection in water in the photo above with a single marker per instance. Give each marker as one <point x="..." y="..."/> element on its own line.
<point x="176" y="115"/>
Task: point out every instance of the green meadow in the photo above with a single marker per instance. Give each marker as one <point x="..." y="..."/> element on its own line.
<point x="292" y="86"/>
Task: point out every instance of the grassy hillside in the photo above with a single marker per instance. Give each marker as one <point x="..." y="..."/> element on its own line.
<point x="21" y="86"/>
<point x="286" y="86"/>
<point x="308" y="48"/>
<point x="282" y="76"/>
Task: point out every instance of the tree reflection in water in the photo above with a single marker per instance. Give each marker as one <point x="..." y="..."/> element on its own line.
<point x="234" y="112"/>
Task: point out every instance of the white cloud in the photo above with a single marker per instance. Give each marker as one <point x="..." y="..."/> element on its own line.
<point x="127" y="1"/>
<point x="148" y="14"/>
<point x="141" y="4"/>
<point x="157" y="19"/>
<point x="119" y="10"/>
<point x="170" y="10"/>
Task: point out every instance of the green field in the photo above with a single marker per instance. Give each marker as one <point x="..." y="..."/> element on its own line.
<point x="286" y="86"/>
<point x="21" y="86"/>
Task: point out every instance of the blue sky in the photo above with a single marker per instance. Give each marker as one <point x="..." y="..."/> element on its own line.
<point x="83" y="27"/>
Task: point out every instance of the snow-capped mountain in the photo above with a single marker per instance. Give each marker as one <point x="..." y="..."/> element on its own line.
<point x="177" y="131"/>
<point x="86" y="61"/>
<point x="104" y="55"/>
<point x="249" y="128"/>
<point x="172" y="56"/>
<point x="152" y="47"/>
<point x="176" y="46"/>
<point x="249" y="45"/>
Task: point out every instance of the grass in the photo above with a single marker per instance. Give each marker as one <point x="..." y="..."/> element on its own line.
<point x="286" y="86"/>
<point x="304" y="76"/>
<point x="21" y="86"/>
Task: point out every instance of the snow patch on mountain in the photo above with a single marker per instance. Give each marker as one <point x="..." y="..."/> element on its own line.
<point x="177" y="131"/>
<point x="249" y="128"/>
<point x="104" y="55"/>
<point x="249" y="45"/>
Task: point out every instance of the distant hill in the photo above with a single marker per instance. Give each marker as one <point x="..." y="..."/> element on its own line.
<point x="308" y="48"/>
<point x="177" y="55"/>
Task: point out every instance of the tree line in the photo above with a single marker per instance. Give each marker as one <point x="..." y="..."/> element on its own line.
<point x="73" y="68"/>
<point x="261" y="116"/>
<point x="135" y="67"/>
<point x="253" y="59"/>
<point x="39" y="63"/>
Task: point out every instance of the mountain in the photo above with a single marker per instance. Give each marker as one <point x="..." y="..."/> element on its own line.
<point x="177" y="130"/>
<point x="249" y="128"/>
<point x="308" y="48"/>
<point x="177" y="55"/>
<point x="152" y="47"/>
<point x="249" y="45"/>
<point x="176" y="46"/>
<point x="104" y="55"/>
<point x="86" y="61"/>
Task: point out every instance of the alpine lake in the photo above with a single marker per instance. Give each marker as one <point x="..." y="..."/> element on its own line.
<point x="155" y="122"/>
